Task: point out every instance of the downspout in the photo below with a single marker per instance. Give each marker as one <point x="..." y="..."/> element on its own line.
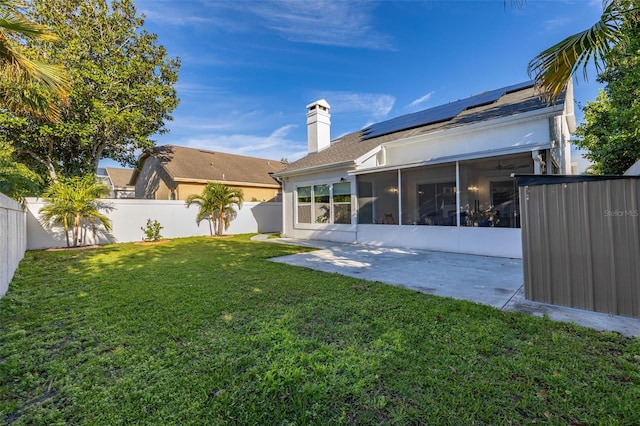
<point x="283" y="198"/>
<point x="458" y="194"/>
<point x="399" y="198"/>
<point x="284" y="209"/>
<point x="535" y="155"/>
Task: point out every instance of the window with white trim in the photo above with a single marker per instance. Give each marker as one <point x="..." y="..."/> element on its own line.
<point x="321" y="203"/>
<point x="304" y="204"/>
<point x="324" y="203"/>
<point x="342" y="202"/>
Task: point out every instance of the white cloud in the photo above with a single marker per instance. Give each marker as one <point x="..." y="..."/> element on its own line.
<point x="376" y="106"/>
<point x="335" y="23"/>
<point x="189" y="13"/>
<point x="554" y="24"/>
<point x="282" y="131"/>
<point x="198" y="89"/>
<point x="421" y="100"/>
<point x="596" y="4"/>
<point x="229" y="119"/>
<point x="171" y="19"/>
<point x="274" y="146"/>
<point x="325" y="22"/>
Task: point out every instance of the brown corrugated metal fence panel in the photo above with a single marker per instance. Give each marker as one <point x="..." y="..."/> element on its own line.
<point x="581" y="245"/>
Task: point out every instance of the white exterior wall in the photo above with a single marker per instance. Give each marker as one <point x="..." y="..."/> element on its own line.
<point x="496" y="242"/>
<point x="493" y="140"/>
<point x="129" y="215"/>
<point x="317" y="231"/>
<point x="13" y="239"/>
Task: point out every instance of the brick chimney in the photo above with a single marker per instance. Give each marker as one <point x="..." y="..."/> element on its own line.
<point x="318" y="126"/>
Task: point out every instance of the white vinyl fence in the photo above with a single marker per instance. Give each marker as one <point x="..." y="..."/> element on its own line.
<point x="129" y="215"/>
<point x="13" y="239"/>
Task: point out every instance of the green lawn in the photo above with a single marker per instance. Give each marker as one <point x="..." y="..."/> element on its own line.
<point x="206" y="331"/>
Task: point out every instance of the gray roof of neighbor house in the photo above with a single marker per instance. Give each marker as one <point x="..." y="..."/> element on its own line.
<point x="119" y="177"/>
<point x="192" y="164"/>
<point x="511" y="100"/>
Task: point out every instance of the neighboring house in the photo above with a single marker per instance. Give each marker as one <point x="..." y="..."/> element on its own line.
<point x="117" y="179"/>
<point x="174" y="172"/>
<point x="438" y="179"/>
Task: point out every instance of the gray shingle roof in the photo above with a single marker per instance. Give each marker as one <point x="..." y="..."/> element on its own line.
<point x="184" y="163"/>
<point x="119" y="177"/>
<point x="352" y="146"/>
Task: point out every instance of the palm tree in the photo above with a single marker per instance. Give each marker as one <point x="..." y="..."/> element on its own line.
<point x="73" y="203"/>
<point x="216" y="204"/>
<point x="23" y="77"/>
<point x="552" y="68"/>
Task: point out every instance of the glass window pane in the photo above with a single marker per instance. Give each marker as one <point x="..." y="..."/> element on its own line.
<point x="321" y="206"/>
<point x="322" y="212"/>
<point x="378" y="198"/>
<point x="304" y="194"/>
<point x="320" y="190"/>
<point x="304" y="204"/>
<point x="343" y="188"/>
<point x="429" y="195"/>
<point x="488" y="196"/>
<point x="342" y="213"/>
<point x="342" y="192"/>
<point x="304" y="213"/>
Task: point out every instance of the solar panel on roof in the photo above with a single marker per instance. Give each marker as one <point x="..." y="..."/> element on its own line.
<point x="440" y="113"/>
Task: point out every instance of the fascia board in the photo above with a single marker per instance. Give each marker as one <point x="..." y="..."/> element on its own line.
<point x="367" y="155"/>
<point x="476" y="127"/>
<point x="450" y="159"/>
<point x="226" y="182"/>
<point x="316" y="169"/>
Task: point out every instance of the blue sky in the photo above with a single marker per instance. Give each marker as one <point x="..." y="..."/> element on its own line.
<point x="250" y="68"/>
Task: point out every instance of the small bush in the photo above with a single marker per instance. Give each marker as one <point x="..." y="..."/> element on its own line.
<point x="152" y="231"/>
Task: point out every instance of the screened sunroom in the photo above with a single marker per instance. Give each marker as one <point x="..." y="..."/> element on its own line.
<point x="477" y="193"/>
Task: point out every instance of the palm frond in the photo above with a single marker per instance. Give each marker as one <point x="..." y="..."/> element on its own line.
<point x="21" y="75"/>
<point x="552" y="68"/>
<point x="14" y="23"/>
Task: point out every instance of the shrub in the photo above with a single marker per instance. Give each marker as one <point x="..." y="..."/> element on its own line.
<point x="152" y="231"/>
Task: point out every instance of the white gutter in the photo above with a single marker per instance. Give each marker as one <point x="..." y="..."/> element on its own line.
<point x="227" y="182"/>
<point x="453" y="158"/>
<point x="315" y="169"/>
<point x="475" y="127"/>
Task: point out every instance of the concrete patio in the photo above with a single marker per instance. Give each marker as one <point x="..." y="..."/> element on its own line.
<point x="492" y="281"/>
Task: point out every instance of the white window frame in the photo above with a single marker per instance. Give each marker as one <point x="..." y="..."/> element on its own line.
<point x="312" y="203"/>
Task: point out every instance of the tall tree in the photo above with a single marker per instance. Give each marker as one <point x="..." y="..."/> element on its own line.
<point x="122" y="88"/>
<point x="611" y="131"/>
<point x="16" y="180"/>
<point x="23" y="78"/>
<point x="217" y="203"/>
<point x="553" y="67"/>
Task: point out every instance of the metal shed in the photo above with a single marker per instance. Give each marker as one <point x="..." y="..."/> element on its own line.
<point x="581" y="241"/>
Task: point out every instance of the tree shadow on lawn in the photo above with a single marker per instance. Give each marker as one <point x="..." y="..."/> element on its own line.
<point x="206" y="331"/>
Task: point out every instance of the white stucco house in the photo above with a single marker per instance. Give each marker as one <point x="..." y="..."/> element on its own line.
<point x="438" y="179"/>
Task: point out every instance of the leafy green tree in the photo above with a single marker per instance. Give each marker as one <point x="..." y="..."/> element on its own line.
<point x="611" y="130"/>
<point x="74" y="203"/>
<point x="553" y="67"/>
<point x="122" y="88"/>
<point x="16" y="180"/>
<point x="217" y="203"/>
<point x="22" y="78"/>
